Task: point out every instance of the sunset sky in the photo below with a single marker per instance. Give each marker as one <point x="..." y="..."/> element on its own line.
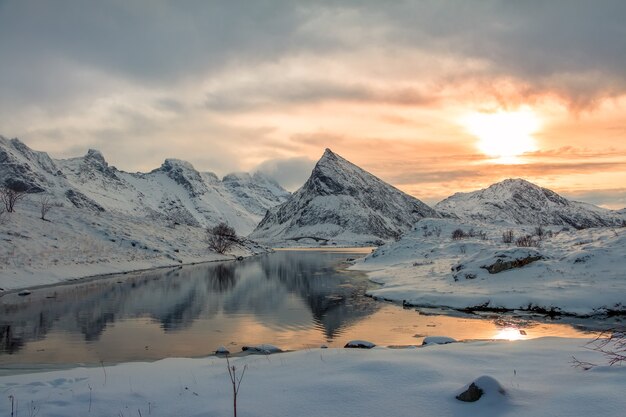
<point x="432" y="96"/>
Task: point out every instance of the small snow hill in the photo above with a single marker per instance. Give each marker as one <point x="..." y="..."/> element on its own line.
<point x="341" y="204"/>
<point x="517" y="201"/>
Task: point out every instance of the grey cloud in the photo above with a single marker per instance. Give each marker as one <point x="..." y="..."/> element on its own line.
<point x="291" y="173"/>
<point x="296" y="91"/>
<point x="572" y="46"/>
<point x="615" y="198"/>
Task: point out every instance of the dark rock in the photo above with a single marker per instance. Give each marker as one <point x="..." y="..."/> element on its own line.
<point x="504" y="265"/>
<point x="472" y="394"/>
<point x="80" y="200"/>
<point x="359" y="344"/>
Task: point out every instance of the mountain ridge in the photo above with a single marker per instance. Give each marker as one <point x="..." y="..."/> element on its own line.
<point x="175" y="192"/>
<point x="518" y="201"/>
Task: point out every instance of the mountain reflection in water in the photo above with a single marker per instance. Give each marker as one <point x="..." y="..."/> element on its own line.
<point x="282" y="291"/>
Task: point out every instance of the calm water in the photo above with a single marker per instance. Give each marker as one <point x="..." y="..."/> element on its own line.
<point x="293" y="299"/>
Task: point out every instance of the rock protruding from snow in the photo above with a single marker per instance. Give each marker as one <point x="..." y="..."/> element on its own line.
<point x="342" y="203"/>
<point x="438" y="340"/>
<point x="222" y="351"/>
<point x="264" y="349"/>
<point x="21" y="168"/>
<point x="484" y="385"/>
<point x="359" y="344"/>
<point x="517" y="201"/>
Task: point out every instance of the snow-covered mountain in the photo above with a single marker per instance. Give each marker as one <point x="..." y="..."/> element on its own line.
<point x="518" y="201"/>
<point x="175" y="192"/>
<point x="342" y="203"/>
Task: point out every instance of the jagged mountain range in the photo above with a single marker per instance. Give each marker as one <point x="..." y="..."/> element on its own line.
<point x="518" y="201"/>
<point x="174" y="192"/>
<point x="342" y="203"/>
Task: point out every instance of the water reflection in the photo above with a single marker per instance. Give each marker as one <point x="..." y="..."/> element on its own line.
<point x="281" y="291"/>
<point x="294" y="299"/>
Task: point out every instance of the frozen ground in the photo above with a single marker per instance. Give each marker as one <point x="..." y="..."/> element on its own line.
<point x="578" y="271"/>
<point x="537" y="376"/>
<point x="79" y="243"/>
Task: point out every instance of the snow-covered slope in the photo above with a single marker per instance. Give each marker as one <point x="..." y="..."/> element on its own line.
<point x="174" y="192"/>
<point x="517" y="201"/>
<point x="75" y="243"/>
<point x="342" y="203"/>
<point x="567" y="271"/>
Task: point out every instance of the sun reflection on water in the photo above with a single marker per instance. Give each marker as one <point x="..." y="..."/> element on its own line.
<point x="510" y="333"/>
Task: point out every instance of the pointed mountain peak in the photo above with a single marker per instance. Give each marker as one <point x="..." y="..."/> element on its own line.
<point x="343" y="201"/>
<point x="176" y="164"/>
<point x="96" y="156"/>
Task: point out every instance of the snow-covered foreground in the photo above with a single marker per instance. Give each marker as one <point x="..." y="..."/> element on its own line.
<point x="537" y="376"/>
<point x="574" y="271"/>
<point x="80" y="243"/>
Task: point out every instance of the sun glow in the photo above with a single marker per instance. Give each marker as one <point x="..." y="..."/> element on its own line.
<point x="510" y="333"/>
<point x="504" y="135"/>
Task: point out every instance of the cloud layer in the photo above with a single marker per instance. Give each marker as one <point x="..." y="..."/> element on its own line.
<point x="269" y="84"/>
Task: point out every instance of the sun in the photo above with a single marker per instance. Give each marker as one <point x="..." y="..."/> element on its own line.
<point x="504" y="134"/>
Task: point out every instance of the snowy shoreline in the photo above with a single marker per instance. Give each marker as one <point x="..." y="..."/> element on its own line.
<point x="570" y="272"/>
<point x="78" y="244"/>
<point x="537" y="376"/>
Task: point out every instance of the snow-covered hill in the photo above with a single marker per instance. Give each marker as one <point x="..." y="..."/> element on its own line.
<point x="564" y="271"/>
<point x="517" y="201"/>
<point x="343" y="204"/>
<point x="174" y="192"/>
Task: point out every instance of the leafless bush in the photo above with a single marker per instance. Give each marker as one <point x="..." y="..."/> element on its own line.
<point x="508" y="236"/>
<point x="463" y="249"/>
<point x="611" y="343"/>
<point x="10" y="196"/>
<point x="477" y="233"/>
<point x="526" y="242"/>
<point x="46" y="203"/>
<point x="459" y="234"/>
<point x="3" y="217"/>
<point x="221" y="237"/>
<point x="235" y="382"/>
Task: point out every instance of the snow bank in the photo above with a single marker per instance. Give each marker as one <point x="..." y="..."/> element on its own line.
<point x="573" y="271"/>
<point x="537" y="376"/>
<point x="79" y="243"/>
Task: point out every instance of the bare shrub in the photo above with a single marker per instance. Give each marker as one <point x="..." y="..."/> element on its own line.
<point x="611" y="343"/>
<point x="458" y="234"/>
<point x="235" y="382"/>
<point x="46" y="203"/>
<point x="221" y="237"/>
<point x="10" y="196"/>
<point x="526" y="242"/>
<point x="508" y="236"/>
